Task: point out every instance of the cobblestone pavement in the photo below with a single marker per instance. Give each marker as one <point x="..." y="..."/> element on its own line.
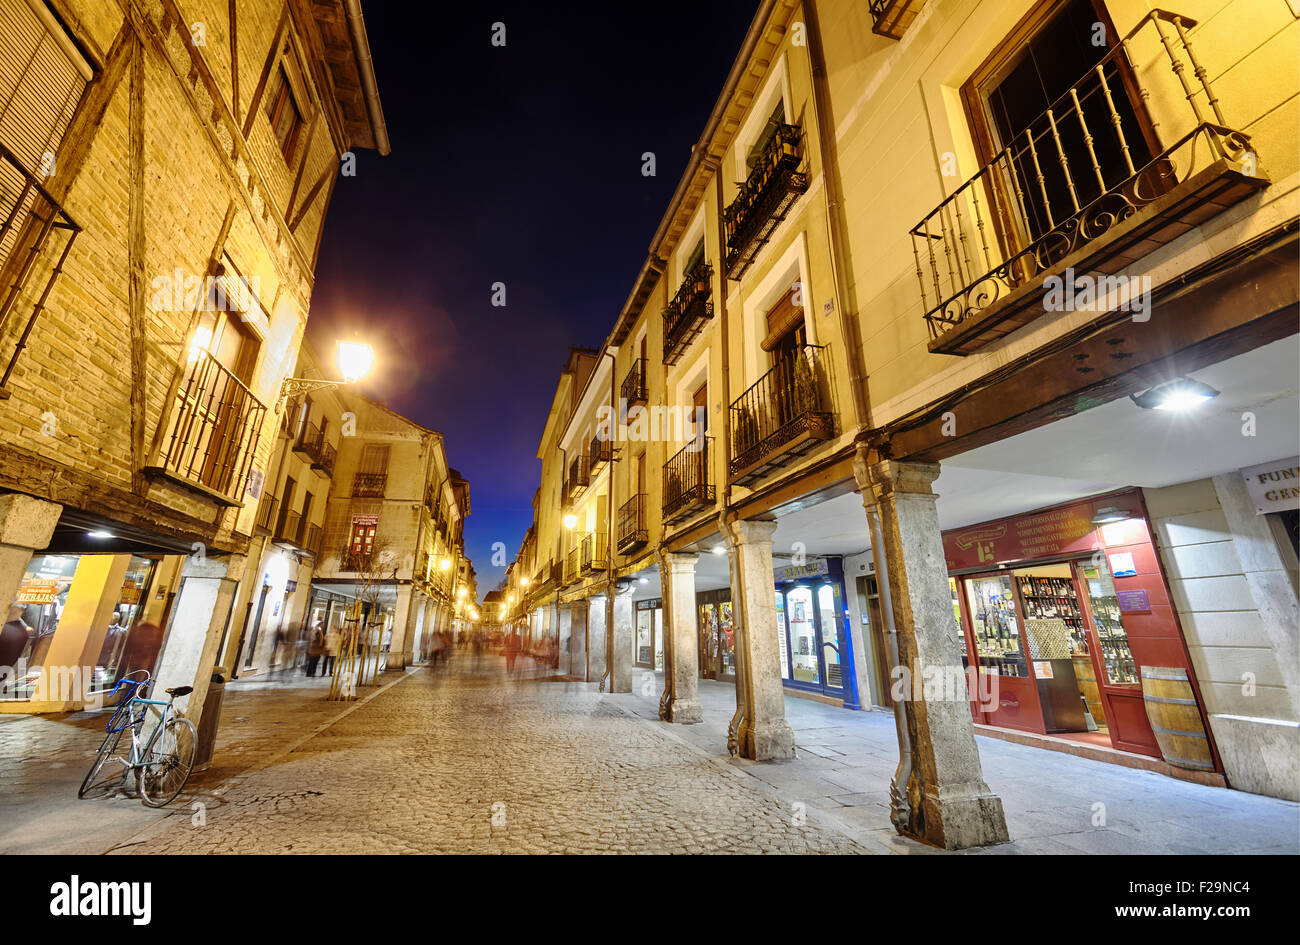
<point x="457" y="761"/>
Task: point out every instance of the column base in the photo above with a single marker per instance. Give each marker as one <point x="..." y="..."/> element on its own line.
<point x="963" y="815"/>
<point x="685" y="712"/>
<point x="769" y="741"/>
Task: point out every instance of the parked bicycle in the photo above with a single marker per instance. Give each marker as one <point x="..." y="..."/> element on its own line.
<point x="161" y="759"/>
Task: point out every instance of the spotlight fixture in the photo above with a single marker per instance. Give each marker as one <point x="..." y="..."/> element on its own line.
<point x="99" y="533"/>
<point x="719" y="549"/>
<point x="1110" y="515"/>
<point x="643" y="580"/>
<point x="1182" y="393"/>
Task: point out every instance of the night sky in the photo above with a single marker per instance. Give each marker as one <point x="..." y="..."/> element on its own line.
<point x="519" y="165"/>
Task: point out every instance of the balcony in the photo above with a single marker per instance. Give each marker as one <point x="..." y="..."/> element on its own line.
<point x="579" y="477"/>
<point x="599" y="455"/>
<point x="288" y="530"/>
<point x="571" y="566"/>
<point x="289" y="421"/>
<point x="687" y="489"/>
<point x="266" y="509"/>
<point x="783" y="415"/>
<point x="634" y="389"/>
<point x="1086" y="190"/>
<point x="212" y="432"/>
<point x="687" y="313"/>
<point x="631" y="530"/>
<point x="369" y="485"/>
<point x="593" y="553"/>
<point x="311" y="540"/>
<point x="764" y="199"/>
<point x="892" y="17"/>
<point x="308" y="443"/>
<point x="324" y="463"/>
<point x="29" y="214"/>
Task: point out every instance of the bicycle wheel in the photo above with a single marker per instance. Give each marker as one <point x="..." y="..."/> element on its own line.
<point x="107" y="752"/>
<point x="168" y="763"/>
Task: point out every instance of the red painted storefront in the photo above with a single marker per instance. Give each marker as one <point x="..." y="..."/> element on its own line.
<point x="1104" y="582"/>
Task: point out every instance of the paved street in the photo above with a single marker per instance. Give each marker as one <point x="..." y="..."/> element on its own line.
<point x="463" y="760"/>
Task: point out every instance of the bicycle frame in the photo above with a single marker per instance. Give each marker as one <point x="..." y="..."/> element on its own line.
<point x="125" y="717"/>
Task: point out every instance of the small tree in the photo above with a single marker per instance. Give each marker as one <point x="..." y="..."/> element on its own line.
<point x="355" y="648"/>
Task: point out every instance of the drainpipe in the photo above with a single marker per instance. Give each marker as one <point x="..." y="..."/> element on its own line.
<point x="609" y="538"/>
<point x="835" y="226"/>
<point x="366" y="72"/>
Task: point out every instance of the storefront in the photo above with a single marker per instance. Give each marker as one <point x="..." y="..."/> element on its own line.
<point x="79" y="612"/>
<point x="717" y="634"/>
<point x="1067" y="616"/>
<point x="649" y="634"/>
<point x="812" y="623"/>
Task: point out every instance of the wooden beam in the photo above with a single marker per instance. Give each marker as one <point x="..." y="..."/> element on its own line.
<point x="1249" y="305"/>
<point x="311" y="196"/>
<point x="234" y="61"/>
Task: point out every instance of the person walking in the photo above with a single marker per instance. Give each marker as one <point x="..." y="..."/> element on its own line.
<point x="331" y="651"/>
<point x="510" y="648"/>
<point x="315" y="647"/>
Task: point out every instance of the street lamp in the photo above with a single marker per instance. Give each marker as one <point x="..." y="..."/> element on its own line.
<point x="570" y="520"/>
<point x="355" y="360"/>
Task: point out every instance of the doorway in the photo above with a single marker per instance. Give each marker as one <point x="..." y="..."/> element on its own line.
<point x="811" y="636"/>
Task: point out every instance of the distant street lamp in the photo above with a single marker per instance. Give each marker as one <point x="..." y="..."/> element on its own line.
<point x="355" y="361"/>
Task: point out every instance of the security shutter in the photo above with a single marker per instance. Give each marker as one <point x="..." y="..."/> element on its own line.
<point x="42" y="77"/>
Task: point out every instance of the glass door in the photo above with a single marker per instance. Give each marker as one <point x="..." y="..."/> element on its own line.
<point x="644" y="639"/>
<point x="801" y="620"/>
<point x="829" y="631"/>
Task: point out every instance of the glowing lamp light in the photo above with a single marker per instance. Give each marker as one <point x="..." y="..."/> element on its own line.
<point x="355" y="359"/>
<point x="202" y="338"/>
<point x="1180" y="394"/>
<point x="460" y="592"/>
<point x="99" y="533"/>
<point x="570" y="520"/>
<point x="523" y="581"/>
<point x="444" y="564"/>
<point x="719" y="549"/>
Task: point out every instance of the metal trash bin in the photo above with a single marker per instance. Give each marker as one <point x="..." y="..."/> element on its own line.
<point x="211" y="718"/>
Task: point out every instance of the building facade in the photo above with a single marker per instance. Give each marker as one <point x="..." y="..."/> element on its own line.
<point x="166" y="168"/>
<point x="879" y="404"/>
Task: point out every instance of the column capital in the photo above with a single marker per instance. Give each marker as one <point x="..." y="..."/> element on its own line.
<point x="892" y="477"/>
<point x="26" y="521"/>
<point x="681" y="562"/>
<point x="749" y="531"/>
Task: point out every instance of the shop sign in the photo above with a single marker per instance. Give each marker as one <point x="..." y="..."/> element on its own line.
<point x="256" y="478"/>
<point x="38" y="591"/>
<point x="365" y="520"/>
<point x="1134" y="601"/>
<point x="1275" y="486"/>
<point x="1066" y="530"/>
<point x="812" y="568"/>
<point x="653" y="604"/>
<point x="130" y="594"/>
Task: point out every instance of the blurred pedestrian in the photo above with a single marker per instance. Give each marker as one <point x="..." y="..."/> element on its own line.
<point x="315" y="647"/>
<point x="510" y="648"/>
<point x="331" y="650"/>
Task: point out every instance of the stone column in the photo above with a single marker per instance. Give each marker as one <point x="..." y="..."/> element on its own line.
<point x="681" y="698"/>
<point x="562" y="618"/>
<point x="403" y="628"/>
<point x="624" y="637"/>
<point x="595" y="638"/>
<point x="198" y="617"/>
<point x="26" y="525"/>
<point x="950" y="805"/>
<point x="578" y="640"/>
<point x="760" y="731"/>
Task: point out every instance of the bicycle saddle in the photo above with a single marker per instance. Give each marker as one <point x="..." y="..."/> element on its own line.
<point x="179" y="691"/>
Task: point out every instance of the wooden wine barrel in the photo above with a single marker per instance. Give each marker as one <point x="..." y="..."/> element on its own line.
<point x="1083" y="675"/>
<point x="1175" y="719"/>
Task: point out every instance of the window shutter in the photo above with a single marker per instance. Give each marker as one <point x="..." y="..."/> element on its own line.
<point x="783" y="316"/>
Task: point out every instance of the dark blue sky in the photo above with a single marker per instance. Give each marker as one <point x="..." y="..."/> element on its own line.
<point x="519" y="165"/>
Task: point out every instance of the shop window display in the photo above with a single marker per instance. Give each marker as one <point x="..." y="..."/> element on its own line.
<point x="33" y="620"/>
<point x="803" y="636"/>
<point x="1111" y="635"/>
<point x="997" y="629"/>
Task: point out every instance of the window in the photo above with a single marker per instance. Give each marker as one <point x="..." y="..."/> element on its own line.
<point x="283" y="110"/>
<point x="765" y="136"/>
<point x="1047" y="56"/>
<point x="696" y="257"/>
<point x="363" y="536"/>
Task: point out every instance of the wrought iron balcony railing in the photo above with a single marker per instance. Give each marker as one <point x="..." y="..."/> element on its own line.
<point x="571" y="566"/>
<point x="687" y="487"/>
<point x="579" y="476"/>
<point x="311" y="540"/>
<point x="764" y="199"/>
<point x="599" y="454"/>
<point x="28" y="214"/>
<point x="1085" y="187"/>
<point x="784" y="414"/>
<point x="308" y="444"/>
<point x="289" y="528"/>
<point x="324" y="463"/>
<point x="689" y="310"/>
<point x="634" y="389"/>
<point x="631" y="529"/>
<point x="211" y="433"/>
<point x="266" y="509"/>
<point x="892" y="17"/>
<point x="369" y="485"/>
<point x="593" y="552"/>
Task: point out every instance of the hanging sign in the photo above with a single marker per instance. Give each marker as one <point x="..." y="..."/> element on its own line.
<point x="1275" y="486"/>
<point x="812" y="568"/>
<point x="38" y="591"/>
